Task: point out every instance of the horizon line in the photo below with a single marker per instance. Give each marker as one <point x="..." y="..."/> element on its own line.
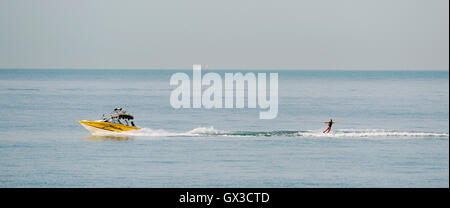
<point x="233" y="69"/>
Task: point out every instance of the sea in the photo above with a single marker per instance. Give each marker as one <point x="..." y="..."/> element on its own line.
<point x="392" y="130"/>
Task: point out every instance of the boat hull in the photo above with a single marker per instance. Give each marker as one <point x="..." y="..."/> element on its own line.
<point x="102" y="127"/>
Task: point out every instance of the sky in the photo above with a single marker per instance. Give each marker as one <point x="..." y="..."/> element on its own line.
<point x="227" y="34"/>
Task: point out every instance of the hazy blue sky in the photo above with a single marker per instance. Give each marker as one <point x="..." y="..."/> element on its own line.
<point x="228" y="34"/>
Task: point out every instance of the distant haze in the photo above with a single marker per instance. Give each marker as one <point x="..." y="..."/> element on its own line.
<point x="229" y="34"/>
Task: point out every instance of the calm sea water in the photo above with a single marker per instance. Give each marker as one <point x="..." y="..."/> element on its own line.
<point x="392" y="131"/>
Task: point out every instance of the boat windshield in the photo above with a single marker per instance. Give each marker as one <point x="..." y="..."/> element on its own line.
<point x="119" y="115"/>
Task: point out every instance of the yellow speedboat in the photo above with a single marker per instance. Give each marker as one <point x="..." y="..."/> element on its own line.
<point x="119" y="121"/>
